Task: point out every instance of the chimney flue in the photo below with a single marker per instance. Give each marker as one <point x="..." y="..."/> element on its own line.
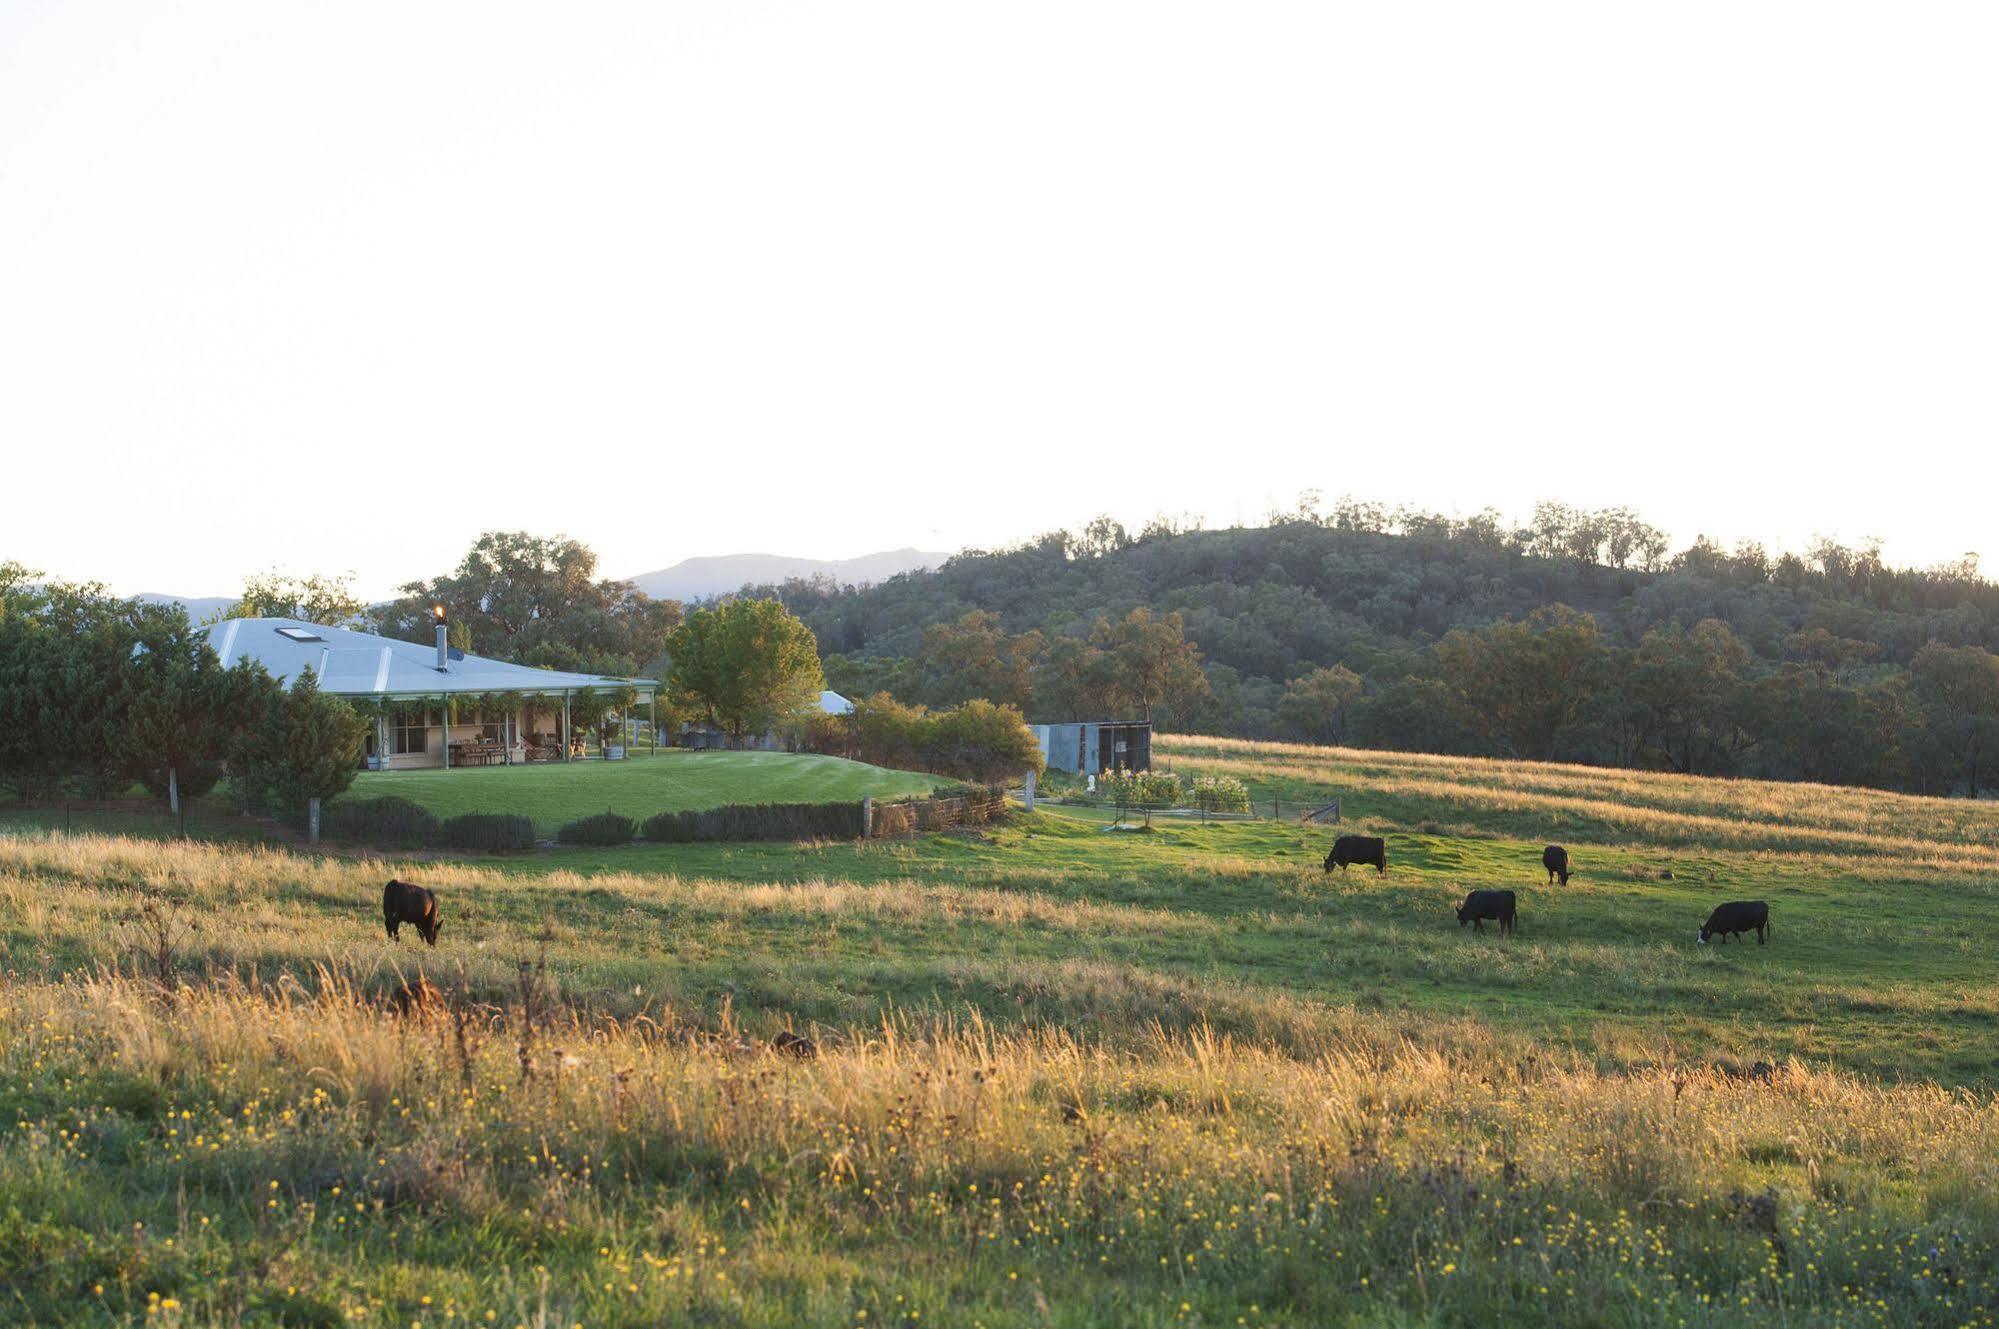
<point x="443" y="645"/>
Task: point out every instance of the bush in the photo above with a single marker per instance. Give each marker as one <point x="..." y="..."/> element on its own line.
<point x="761" y="821"/>
<point x="602" y="828"/>
<point x="976" y="741"/>
<point x="1218" y="793"/>
<point x="1138" y="789"/>
<point x="488" y="830"/>
<point x="384" y="821"/>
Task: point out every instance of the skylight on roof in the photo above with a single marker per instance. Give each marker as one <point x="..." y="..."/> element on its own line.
<point x="300" y="634"/>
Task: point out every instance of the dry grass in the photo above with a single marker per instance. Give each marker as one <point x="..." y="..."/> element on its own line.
<point x="309" y="1142"/>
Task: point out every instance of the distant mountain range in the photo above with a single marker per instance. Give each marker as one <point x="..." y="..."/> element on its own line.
<point x="198" y="606"/>
<point x="701" y="578"/>
<point x="689" y="579"/>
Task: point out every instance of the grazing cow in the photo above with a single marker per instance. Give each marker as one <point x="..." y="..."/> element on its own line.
<point x="1481" y="905"/>
<point x="1363" y="849"/>
<point x="403" y="903"/>
<point x="1556" y="860"/>
<point x="1735" y="918"/>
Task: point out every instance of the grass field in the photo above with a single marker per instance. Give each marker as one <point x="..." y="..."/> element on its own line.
<point x="673" y="781"/>
<point x="1066" y="1076"/>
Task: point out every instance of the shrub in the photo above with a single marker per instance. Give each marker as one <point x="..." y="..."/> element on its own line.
<point x="1219" y="793"/>
<point x="602" y="828"/>
<point x="1139" y="789"/>
<point x="488" y="830"/>
<point x="761" y="821"/>
<point x="976" y="741"/>
<point x="384" y="821"/>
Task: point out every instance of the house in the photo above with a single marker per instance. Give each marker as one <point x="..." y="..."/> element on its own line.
<point x="433" y="706"/>
<point x="1085" y="747"/>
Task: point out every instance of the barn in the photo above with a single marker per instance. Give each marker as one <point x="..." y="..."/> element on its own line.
<point x="432" y="706"/>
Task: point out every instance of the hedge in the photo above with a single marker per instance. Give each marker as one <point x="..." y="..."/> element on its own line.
<point x="383" y="821"/>
<point x="489" y="830"/>
<point x="603" y="828"/>
<point x="759" y="821"/>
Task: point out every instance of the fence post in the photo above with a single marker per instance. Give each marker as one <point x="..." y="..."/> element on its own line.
<point x="312" y="821"/>
<point x="1028" y="797"/>
<point x="867" y="817"/>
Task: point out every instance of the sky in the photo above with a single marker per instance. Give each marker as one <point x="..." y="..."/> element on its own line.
<point x="333" y="288"/>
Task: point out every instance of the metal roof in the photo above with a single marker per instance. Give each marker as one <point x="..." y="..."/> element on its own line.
<point x="834" y="704"/>
<point x="361" y="664"/>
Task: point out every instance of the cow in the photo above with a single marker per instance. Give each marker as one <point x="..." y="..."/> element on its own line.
<point x="1556" y="860"/>
<point x="1481" y="905"/>
<point x="1363" y="849"/>
<point x="1735" y="918"/>
<point x="403" y="903"/>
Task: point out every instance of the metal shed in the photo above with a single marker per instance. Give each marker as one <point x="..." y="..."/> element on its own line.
<point x="1085" y="747"/>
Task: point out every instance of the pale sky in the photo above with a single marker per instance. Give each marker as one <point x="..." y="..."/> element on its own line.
<point x="335" y="287"/>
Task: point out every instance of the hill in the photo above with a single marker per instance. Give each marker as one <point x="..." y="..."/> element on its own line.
<point x="705" y="578"/>
<point x="1810" y="666"/>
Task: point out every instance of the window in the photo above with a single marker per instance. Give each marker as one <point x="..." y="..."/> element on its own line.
<point x="299" y="634"/>
<point x="410" y="732"/>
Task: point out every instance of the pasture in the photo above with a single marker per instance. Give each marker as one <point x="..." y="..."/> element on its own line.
<point x="1064" y="1076"/>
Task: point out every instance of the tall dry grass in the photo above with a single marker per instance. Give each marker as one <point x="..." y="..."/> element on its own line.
<point x="664" y="1171"/>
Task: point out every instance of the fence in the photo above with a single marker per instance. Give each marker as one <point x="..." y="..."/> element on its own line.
<point x="890" y="820"/>
<point x="1319" y="811"/>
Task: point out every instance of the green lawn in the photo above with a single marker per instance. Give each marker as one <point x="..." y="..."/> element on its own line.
<point x="639" y="787"/>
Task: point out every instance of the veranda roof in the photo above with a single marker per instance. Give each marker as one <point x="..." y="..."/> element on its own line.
<point x="361" y="664"/>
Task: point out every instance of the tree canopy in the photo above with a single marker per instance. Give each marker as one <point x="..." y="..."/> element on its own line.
<point x="745" y="667"/>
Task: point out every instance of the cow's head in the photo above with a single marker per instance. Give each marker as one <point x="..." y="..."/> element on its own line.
<point x="1464" y="915"/>
<point x="1701" y="936"/>
<point x="430" y="928"/>
<point x="1564" y="875"/>
<point x="1329" y="861"/>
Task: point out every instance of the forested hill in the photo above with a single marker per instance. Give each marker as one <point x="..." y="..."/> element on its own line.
<point x="1579" y="637"/>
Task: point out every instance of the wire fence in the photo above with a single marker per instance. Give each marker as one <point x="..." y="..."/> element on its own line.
<point x="1192" y="807"/>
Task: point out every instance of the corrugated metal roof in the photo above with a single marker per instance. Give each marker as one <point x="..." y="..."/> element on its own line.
<point x="834" y="704"/>
<point x="363" y="664"/>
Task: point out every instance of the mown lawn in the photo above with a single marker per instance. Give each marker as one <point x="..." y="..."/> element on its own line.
<point x="1067" y="1075"/>
<point x="673" y="781"/>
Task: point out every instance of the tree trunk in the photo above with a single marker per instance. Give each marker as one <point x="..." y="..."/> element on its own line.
<point x="173" y="790"/>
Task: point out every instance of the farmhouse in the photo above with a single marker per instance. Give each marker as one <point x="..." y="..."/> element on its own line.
<point x="433" y="706"/>
<point x="1086" y="747"/>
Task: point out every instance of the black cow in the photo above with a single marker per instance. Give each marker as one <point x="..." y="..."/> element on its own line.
<point x="1363" y="849"/>
<point x="1735" y="918"/>
<point x="403" y="903"/>
<point x="1481" y="905"/>
<point x="1556" y="860"/>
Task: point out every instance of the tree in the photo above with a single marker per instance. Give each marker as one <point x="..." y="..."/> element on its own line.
<point x="1072" y="680"/>
<point x="745" y="666"/>
<point x="306" y="745"/>
<point x="310" y="599"/>
<point x="1153" y="662"/>
<point x="1522" y="684"/>
<point x="1685" y="684"/>
<point x="1314" y="707"/>
<point x="536" y="600"/>
<point x="1960" y="686"/>
<point x="185" y="709"/>
<point x="975" y="657"/>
